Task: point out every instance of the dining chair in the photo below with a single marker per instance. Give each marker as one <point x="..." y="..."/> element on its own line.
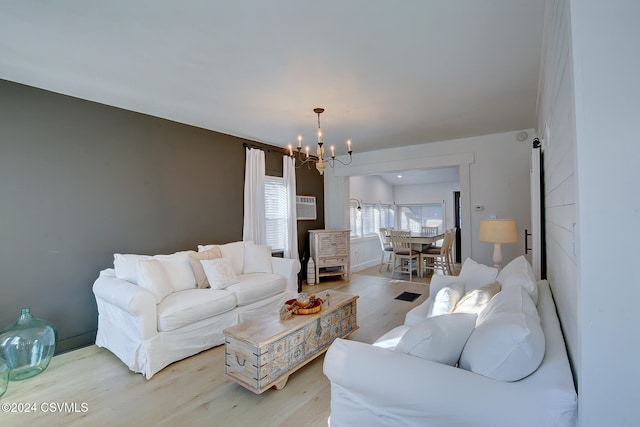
<point x="450" y="259"/>
<point x="385" y="245"/>
<point x="438" y="257"/>
<point x="402" y="251"/>
<point x="429" y="231"/>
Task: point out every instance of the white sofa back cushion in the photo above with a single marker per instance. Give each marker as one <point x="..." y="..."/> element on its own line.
<point x="235" y="253"/>
<point x="257" y="259"/>
<point x="153" y="277"/>
<point x="476" y="275"/>
<point x="438" y="338"/>
<point x="519" y="273"/>
<point x="176" y="265"/>
<point x="508" y="343"/>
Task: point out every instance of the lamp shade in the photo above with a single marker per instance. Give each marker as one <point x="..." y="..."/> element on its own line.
<point x="498" y="231"/>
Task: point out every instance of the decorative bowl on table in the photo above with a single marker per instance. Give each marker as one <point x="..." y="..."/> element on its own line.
<point x="305" y="306"/>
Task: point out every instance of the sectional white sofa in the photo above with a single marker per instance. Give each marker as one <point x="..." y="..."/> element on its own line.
<point x="155" y="310"/>
<point x="498" y="360"/>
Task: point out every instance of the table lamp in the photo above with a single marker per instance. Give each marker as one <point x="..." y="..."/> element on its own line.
<point x="498" y="231"/>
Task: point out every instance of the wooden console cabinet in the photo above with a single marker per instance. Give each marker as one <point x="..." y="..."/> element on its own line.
<point x="330" y="252"/>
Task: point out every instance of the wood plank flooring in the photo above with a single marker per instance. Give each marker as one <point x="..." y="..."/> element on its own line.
<point x="91" y="387"/>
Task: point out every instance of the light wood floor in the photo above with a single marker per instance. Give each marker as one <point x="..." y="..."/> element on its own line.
<point x="99" y="390"/>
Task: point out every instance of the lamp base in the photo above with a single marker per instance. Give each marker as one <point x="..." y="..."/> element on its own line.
<point x="497" y="255"/>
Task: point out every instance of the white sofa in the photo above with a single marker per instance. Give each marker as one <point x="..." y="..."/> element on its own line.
<point x="155" y="310"/>
<point x="503" y="365"/>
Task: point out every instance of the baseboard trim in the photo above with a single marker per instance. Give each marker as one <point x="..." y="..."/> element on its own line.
<point x="76" y="342"/>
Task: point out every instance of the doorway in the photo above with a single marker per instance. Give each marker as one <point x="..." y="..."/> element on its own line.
<point x="457" y="213"/>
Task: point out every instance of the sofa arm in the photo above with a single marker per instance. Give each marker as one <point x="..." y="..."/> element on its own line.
<point x="125" y="295"/>
<point x="375" y="386"/>
<point x="289" y="268"/>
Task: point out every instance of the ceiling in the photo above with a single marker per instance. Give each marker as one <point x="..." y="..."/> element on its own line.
<point x="388" y="73"/>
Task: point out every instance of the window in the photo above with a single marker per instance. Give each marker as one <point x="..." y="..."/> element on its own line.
<point x="369" y="219"/>
<point x="276" y="212"/>
<point x="414" y="217"/>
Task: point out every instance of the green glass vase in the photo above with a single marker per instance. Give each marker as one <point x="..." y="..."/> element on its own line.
<point x="4" y="376"/>
<point x="28" y="345"/>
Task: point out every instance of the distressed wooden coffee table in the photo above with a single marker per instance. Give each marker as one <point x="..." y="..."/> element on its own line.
<point x="262" y="353"/>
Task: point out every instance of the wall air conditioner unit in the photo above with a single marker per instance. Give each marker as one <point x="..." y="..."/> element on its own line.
<point x="306" y="207"/>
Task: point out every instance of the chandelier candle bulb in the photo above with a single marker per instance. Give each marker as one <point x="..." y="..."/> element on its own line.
<point x="290" y="151"/>
<point x="299" y="141"/>
<point x="307" y="151"/>
<point x="349" y="145"/>
<point x="333" y="154"/>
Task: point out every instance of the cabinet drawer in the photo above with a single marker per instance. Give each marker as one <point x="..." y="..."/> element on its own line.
<point x="332" y="261"/>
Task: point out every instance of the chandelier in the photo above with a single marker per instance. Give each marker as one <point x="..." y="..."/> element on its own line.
<point x="319" y="160"/>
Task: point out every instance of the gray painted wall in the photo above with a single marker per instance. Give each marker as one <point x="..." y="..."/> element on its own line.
<point x="80" y="181"/>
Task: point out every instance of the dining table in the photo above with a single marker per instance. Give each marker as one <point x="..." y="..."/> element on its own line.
<point x="425" y="239"/>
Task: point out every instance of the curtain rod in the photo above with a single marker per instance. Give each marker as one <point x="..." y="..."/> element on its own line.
<point x="268" y="149"/>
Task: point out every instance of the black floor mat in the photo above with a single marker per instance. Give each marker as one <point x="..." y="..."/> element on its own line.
<point x="408" y="296"/>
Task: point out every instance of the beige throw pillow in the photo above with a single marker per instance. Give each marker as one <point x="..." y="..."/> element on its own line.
<point x="198" y="271"/>
<point x="475" y="300"/>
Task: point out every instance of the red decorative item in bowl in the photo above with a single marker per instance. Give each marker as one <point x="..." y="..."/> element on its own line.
<point x="314" y="306"/>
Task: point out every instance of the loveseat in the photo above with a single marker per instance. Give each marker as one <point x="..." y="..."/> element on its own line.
<point x="155" y="310"/>
<point x="485" y="349"/>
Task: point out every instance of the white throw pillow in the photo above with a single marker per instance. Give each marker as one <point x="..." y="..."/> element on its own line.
<point x="219" y="272"/>
<point x="152" y="277"/>
<point x="476" y="275"/>
<point x="194" y="259"/>
<point x="439" y="281"/>
<point x="439" y="338"/>
<point x="519" y="273"/>
<point x="257" y="259"/>
<point x="446" y="299"/>
<point x="234" y="252"/>
<point x="505" y="347"/>
<point x="475" y="300"/>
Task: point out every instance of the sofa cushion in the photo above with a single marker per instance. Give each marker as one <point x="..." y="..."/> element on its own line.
<point x="153" y="277"/>
<point x="438" y="338"/>
<point x="198" y="271"/>
<point x="476" y="275"/>
<point x="510" y="300"/>
<point x="390" y="339"/>
<point x="126" y="266"/>
<point x="219" y="272"/>
<point x="257" y="259"/>
<point x="235" y="253"/>
<point x="475" y="300"/>
<point x="177" y="267"/>
<point x="186" y="307"/>
<point x="257" y="286"/>
<point x="519" y="273"/>
<point x="506" y="347"/>
<point x="446" y="299"/>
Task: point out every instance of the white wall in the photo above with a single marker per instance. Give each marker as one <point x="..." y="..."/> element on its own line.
<point x="588" y="113"/>
<point x="366" y="252"/>
<point x="494" y="172"/>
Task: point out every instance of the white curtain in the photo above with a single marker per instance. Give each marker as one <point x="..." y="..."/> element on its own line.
<point x="289" y="178"/>
<point x="254" y="212"/>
